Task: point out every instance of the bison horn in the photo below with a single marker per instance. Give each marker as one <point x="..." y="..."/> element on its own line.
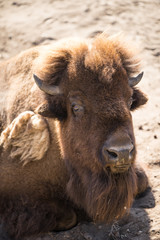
<point x="133" y="81"/>
<point x="51" y="90"/>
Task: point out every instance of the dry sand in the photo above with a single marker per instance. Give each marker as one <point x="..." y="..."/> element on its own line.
<point x="26" y="23"/>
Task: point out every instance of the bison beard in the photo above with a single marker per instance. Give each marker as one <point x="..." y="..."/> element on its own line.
<point x="104" y="196"/>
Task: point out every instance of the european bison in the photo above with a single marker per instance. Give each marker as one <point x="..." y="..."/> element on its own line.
<point x="67" y="138"/>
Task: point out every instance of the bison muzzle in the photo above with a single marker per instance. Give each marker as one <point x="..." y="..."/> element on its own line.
<point x="67" y="140"/>
<point x="118" y="152"/>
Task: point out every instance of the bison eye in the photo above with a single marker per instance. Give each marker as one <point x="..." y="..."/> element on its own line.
<point x="130" y="101"/>
<point x="77" y="109"/>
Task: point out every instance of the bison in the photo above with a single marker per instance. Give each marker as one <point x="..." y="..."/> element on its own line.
<point x="67" y="140"/>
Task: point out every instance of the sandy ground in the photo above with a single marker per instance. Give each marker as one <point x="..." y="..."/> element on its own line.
<point x="26" y="23"/>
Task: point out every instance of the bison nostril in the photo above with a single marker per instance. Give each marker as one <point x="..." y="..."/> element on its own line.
<point x="112" y="155"/>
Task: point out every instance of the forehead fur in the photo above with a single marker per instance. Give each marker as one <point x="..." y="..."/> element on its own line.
<point x="54" y="59"/>
<point x="109" y="55"/>
<point x="103" y="55"/>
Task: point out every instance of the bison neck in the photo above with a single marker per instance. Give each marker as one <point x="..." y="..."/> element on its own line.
<point x="104" y="196"/>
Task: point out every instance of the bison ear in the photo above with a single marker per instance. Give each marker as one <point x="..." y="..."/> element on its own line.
<point x="53" y="108"/>
<point x="44" y="110"/>
<point x="139" y="99"/>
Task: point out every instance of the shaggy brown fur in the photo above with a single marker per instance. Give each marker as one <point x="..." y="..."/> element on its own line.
<point x="38" y="196"/>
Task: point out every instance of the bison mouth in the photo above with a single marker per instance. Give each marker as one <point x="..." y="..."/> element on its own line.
<point x="120" y="168"/>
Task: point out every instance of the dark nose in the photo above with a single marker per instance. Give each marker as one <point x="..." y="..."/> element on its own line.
<point x="118" y="152"/>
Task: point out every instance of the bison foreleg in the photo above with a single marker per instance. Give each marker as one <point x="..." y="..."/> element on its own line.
<point x="27" y="137"/>
<point x="142" y="178"/>
<point x="22" y="219"/>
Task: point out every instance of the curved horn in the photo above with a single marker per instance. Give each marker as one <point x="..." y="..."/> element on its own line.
<point x="51" y="90"/>
<point x="133" y="81"/>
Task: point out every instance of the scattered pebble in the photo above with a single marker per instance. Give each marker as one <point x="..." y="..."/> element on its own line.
<point x="87" y="236"/>
<point x="67" y="235"/>
<point x="140" y="128"/>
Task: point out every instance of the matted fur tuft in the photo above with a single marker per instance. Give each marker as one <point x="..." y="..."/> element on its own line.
<point x="27" y="137"/>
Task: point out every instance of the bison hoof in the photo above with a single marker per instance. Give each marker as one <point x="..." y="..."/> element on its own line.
<point x="67" y="222"/>
<point x="27" y="137"/>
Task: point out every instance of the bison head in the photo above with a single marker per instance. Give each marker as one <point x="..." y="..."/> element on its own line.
<point x="90" y="89"/>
